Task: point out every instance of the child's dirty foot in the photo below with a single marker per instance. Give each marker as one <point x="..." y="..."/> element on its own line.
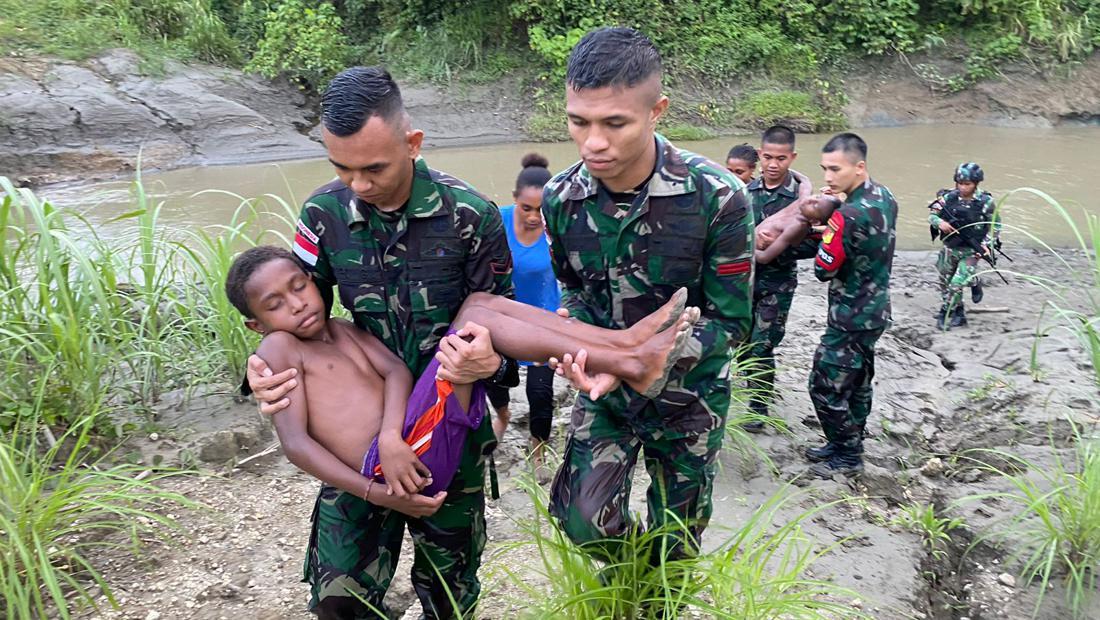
<point x="659" y="320"/>
<point x="663" y="352"/>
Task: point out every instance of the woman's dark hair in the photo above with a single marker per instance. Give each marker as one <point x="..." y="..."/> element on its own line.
<point x="535" y="173"/>
<point x="745" y="153"/>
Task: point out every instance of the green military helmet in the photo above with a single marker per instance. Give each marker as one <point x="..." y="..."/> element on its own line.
<point x="969" y="171"/>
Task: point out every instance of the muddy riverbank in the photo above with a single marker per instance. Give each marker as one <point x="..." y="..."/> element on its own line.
<point x="936" y="396"/>
<point x="79" y="121"/>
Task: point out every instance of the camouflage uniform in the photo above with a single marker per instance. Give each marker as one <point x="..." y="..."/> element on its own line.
<point x="956" y="262"/>
<point x="404" y="276"/>
<point x="855" y="257"/>
<point x="619" y="258"/>
<point x="773" y="290"/>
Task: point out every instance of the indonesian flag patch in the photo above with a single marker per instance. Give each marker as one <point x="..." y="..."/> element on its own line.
<point x="305" y="244"/>
<point x="830" y="255"/>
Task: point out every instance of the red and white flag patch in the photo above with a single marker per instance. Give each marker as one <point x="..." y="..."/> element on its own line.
<point x="305" y="244"/>
<point x="831" y="254"/>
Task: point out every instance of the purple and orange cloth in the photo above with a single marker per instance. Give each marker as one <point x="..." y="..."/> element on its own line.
<point x="436" y="427"/>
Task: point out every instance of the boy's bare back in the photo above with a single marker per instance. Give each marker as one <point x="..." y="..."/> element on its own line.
<point x="344" y="392"/>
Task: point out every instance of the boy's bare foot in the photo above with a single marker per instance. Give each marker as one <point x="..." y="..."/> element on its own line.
<point x="658" y="320"/>
<point x="661" y="353"/>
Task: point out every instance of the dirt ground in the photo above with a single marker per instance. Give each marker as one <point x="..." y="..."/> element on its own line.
<point x="936" y="395"/>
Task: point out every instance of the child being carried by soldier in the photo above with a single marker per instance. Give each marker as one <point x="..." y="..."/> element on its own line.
<point x="351" y="381"/>
<point x="790" y="225"/>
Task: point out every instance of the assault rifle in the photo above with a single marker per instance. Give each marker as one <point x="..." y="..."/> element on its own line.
<point x="966" y="233"/>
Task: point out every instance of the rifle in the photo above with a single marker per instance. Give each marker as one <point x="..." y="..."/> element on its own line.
<point x="965" y="233"/>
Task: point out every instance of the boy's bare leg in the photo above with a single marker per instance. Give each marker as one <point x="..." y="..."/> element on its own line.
<point x="640" y="332"/>
<point x="639" y="366"/>
<point x="464" y="392"/>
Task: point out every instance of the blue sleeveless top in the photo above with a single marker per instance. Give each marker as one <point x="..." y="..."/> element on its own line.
<point x="531" y="271"/>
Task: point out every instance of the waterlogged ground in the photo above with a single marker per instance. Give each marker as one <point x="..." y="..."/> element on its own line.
<point x="936" y="396"/>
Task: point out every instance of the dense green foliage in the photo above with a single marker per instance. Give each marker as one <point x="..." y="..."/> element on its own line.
<point x="725" y="40"/>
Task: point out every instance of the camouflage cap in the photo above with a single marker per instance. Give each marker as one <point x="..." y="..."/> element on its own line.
<point x="969" y="171"/>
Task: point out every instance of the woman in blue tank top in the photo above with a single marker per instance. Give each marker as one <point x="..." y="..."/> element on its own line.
<point x="535" y="285"/>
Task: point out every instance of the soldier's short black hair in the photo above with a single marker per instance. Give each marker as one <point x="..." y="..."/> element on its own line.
<point x="620" y="57"/>
<point x="745" y="153"/>
<point x="849" y="143"/>
<point x="357" y="94"/>
<point x="778" y="134"/>
<point x="244" y="266"/>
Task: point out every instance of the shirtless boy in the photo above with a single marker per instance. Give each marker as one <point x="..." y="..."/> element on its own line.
<point x="351" y="381"/>
<point x="790" y="225"/>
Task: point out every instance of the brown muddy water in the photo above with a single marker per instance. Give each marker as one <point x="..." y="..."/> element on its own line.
<point x="913" y="161"/>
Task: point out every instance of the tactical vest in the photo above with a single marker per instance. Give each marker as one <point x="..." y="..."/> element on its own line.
<point x="670" y="254"/>
<point x="433" y="268"/>
<point x="963" y="215"/>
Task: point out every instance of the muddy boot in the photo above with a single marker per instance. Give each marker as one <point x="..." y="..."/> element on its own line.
<point x="958" y="317"/>
<point x="941" y="319"/>
<point x="756" y="425"/>
<point x="820" y="453"/>
<point x="844" y="461"/>
<point x="976" y="292"/>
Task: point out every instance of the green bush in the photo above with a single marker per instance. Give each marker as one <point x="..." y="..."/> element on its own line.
<point x="304" y="43"/>
<point x="872" y="26"/>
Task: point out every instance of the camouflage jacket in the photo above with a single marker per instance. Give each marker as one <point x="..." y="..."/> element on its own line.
<point x="781" y="273"/>
<point x="855" y="257"/>
<point x="979" y="213"/>
<point x="691" y="226"/>
<point x="404" y="277"/>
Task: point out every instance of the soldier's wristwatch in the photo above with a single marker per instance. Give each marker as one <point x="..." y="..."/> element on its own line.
<point x="501" y="372"/>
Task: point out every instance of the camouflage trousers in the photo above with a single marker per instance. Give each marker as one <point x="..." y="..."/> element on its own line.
<point x="840" y="384"/>
<point x="354" y="547"/>
<point x="770" y="307"/>
<point x="956" y="267"/>
<point x="678" y="441"/>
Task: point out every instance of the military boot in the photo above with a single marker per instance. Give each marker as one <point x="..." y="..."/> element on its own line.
<point x="843" y="461"/>
<point x="958" y="317"/>
<point x="756" y="425"/>
<point x="820" y="453"/>
<point x="941" y="319"/>
<point x="976" y="292"/>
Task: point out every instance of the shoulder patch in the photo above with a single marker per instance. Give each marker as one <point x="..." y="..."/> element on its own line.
<point x="735" y="267"/>
<point x="831" y="255"/>
<point x="305" y="244"/>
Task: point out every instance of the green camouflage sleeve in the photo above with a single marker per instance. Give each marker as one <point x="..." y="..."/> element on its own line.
<point x="727" y="274"/>
<point x="489" y="268"/>
<point x="934" y="211"/>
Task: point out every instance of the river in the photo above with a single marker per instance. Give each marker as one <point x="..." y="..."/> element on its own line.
<point x="912" y="161"/>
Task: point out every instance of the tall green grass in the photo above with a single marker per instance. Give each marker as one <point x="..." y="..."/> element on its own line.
<point x="1053" y="523"/>
<point x="757" y="572"/>
<point x="104" y="322"/>
<point x="59" y="503"/>
<point x="1075" y="302"/>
